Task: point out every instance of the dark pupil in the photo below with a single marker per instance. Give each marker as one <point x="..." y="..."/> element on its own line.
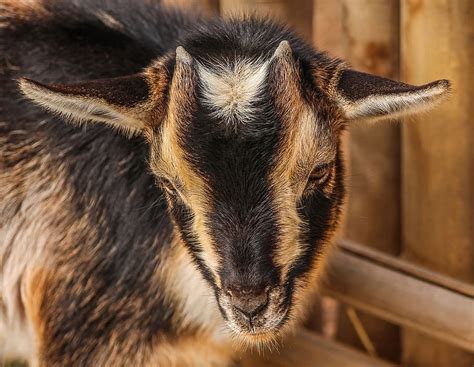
<point x="168" y="187"/>
<point x="319" y="172"/>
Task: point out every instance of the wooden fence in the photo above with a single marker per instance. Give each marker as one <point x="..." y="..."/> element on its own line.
<point x="405" y="293"/>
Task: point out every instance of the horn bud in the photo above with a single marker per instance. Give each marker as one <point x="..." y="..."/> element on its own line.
<point x="283" y="50"/>
<point x="284" y="70"/>
<point x="182" y="56"/>
<point x="183" y="85"/>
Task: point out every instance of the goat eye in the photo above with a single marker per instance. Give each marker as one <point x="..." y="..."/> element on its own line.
<point x="319" y="175"/>
<point x="168" y="187"/>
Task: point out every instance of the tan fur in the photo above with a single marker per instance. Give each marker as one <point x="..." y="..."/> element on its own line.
<point x="33" y="303"/>
<point x="26" y="243"/>
<point x="21" y="9"/>
<point x="299" y="152"/>
<point x="168" y="157"/>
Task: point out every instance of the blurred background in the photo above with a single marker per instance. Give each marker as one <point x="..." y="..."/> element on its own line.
<point x="400" y="287"/>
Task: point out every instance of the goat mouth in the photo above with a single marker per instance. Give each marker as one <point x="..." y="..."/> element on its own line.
<point x="268" y="323"/>
<point x="269" y="330"/>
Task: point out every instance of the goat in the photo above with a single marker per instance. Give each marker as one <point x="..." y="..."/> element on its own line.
<point x="189" y="207"/>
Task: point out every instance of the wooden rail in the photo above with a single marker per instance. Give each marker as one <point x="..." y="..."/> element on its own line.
<point x="307" y="349"/>
<point x="403" y="293"/>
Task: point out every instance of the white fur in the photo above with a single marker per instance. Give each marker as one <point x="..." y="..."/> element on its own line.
<point x="230" y="90"/>
<point x="23" y="249"/>
<point x="195" y="296"/>
<point x="16" y="339"/>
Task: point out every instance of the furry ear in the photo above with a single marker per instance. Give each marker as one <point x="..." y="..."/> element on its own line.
<point x="119" y="102"/>
<point x="126" y="103"/>
<point x="366" y="96"/>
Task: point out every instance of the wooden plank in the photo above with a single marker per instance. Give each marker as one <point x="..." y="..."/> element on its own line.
<point x="308" y="349"/>
<point x="437" y="155"/>
<point x="370" y="36"/>
<point x="328" y="32"/>
<point x="296" y="13"/>
<point x="408" y="268"/>
<point x="373" y="218"/>
<point x="402" y="298"/>
<point x="328" y="37"/>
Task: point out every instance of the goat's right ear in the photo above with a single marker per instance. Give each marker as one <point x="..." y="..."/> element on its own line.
<point x="365" y="96"/>
<point x="125" y="103"/>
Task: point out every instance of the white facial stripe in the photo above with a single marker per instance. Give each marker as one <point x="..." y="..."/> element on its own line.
<point x="230" y="90"/>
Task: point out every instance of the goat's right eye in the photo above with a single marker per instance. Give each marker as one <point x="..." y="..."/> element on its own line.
<point x="169" y="188"/>
<point x="319" y="176"/>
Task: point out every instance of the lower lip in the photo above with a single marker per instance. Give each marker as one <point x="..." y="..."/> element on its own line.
<point x="263" y="331"/>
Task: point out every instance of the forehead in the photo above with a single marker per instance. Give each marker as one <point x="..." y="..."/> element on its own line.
<point x="233" y="137"/>
<point x="233" y="91"/>
<point x="237" y="128"/>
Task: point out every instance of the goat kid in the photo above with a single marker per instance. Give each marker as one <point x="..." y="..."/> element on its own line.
<point x="205" y="225"/>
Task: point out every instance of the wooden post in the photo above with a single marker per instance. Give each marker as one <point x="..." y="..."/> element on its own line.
<point x="365" y="33"/>
<point x="328" y="32"/>
<point x="373" y="218"/>
<point x="296" y="13"/>
<point x="438" y="156"/>
<point x="306" y="349"/>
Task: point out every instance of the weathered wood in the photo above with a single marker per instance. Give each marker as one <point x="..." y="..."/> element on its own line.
<point x="438" y="173"/>
<point x="397" y="295"/>
<point x="406" y="267"/>
<point x="296" y="13"/>
<point x="369" y="33"/>
<point x="328" y="32"/>
<point x="373" y="218"/>
<point x="307" y="349"/>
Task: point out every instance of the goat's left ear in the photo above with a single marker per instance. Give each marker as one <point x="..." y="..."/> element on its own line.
<point x="366" y="96"/>
<point x="123" y="103"/>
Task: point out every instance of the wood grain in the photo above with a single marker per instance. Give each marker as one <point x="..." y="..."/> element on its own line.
<point x="307" y="349"/>
<point x="298" y="14"/>
<point x="437" y="158"/>
<point x="369" y="34"/>
<point x="400" y="296"/>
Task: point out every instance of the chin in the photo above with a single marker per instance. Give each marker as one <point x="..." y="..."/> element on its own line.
<point x="261" y="339"/>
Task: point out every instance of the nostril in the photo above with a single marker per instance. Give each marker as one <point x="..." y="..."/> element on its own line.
<point x="248" y="302"/>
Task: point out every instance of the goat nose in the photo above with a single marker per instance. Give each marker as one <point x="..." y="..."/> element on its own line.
<point x="249" y="302"/>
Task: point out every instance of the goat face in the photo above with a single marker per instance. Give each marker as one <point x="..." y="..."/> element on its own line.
<point x="253" y="181"/>
<point x="246" y="149"/>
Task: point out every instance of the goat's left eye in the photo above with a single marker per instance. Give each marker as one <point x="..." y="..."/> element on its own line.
<point x="319" y="175"/>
